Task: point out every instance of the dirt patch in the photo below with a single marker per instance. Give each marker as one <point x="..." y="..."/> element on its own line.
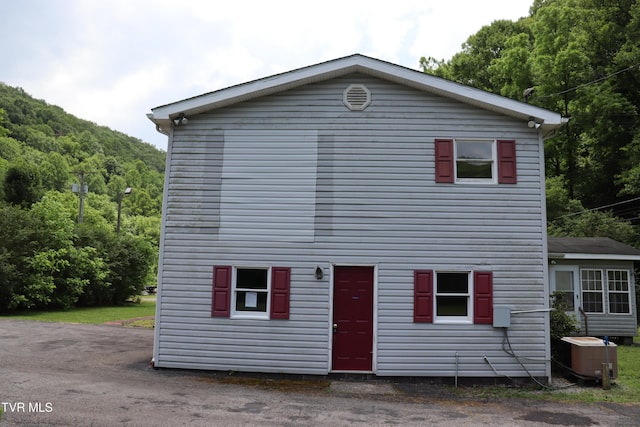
<point x="284" y="385"/>
<point x="558" y="418"/>
<point x="138" y="322"/>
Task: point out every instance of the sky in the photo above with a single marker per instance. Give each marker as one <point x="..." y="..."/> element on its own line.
<point x="111" y="62"/>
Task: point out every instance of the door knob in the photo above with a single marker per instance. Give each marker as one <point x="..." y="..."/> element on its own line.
<point x="335" y="328"/>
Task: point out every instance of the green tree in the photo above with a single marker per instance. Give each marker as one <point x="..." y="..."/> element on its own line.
<point x="47" y="260"/>
<point x="130" y="261"/>
<point x="582" y="59"/>
<point x="594" y="224"/>
<point x="4" y="120"/>
<point x="472" y="65"/>
<point x="22" y="184"/>
<point x="55" y="173"/>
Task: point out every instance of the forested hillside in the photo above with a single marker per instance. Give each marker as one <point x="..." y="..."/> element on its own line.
<point x="580" y="58"/>
<point x="51" y="256"/>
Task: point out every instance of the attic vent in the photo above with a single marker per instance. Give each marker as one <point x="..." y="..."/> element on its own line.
<point x="357" y="97"/>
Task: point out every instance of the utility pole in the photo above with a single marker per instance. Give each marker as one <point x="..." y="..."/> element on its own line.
<point x="81" y="209"/>
<point x="82" y="190"/>
<point x="126" y="192"/>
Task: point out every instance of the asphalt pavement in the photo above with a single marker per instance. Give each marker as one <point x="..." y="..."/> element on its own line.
<point x="55" y="374"/>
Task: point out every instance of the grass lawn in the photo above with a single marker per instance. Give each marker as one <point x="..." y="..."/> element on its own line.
<point x="95" y="315"/>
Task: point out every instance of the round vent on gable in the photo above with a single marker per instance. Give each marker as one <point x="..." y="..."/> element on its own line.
<point x="357" y="97"/>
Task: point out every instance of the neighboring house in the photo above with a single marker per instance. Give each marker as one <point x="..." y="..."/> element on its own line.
<point x="354" y="216"/>
<point x="596" y="277"/>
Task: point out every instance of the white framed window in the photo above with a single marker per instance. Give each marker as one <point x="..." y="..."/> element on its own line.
<point x="250" y="292"/>
<point x="619" y="291"/>
<point x="475" y="161"/>
<point x="592" y="290"/>
<point x="453" y="301"/>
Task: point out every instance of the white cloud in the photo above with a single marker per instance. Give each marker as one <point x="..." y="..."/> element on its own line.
<point x="111" y="62"/>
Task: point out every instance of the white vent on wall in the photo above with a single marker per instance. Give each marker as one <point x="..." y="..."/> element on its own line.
<point x="357" y="97"/>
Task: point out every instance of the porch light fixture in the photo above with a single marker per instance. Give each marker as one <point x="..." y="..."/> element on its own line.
<point x="319" y="273"/>
<point x="180" y="120"/>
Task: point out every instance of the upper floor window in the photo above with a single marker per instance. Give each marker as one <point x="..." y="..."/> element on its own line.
<point x="475" y="161"/>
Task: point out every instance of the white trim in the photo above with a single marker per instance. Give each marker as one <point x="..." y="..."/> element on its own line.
<point x="602" y="293"/>
<point x="545" y="248"/>
<point x="627" y="292"/>
<point x="550" y="121"/>
<point x="576" y="285"/>
<point x="163" y="226"/>
<point x="374" y="342"/>
<point x="604" y="257"/>
<point x="455" y="320"/>
<point x="494" y="162"/>
<point x="374" y="332"/>
<point x="330" y="320"/>
<point x="355" y="107"/>
<point x="253" y="315"/>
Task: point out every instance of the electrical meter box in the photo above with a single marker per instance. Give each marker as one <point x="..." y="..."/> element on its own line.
<point x="501" y="317"/>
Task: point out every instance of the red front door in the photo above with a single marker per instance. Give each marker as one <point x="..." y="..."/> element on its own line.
<point x="352" y="319"/>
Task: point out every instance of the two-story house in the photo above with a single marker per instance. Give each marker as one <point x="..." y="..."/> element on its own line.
<point x="354" y="216"/>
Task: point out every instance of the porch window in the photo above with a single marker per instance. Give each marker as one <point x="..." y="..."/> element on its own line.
<point x="619" y="296"/>
<point x="592" y="290"/>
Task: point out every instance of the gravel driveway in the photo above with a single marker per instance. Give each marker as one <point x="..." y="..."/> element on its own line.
<point x="97" y="375"/>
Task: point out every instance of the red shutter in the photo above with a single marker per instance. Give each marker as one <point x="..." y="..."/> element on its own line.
<point x="221" y="296"/>
<point x="423" y="296"/>
<point x="507" y="173"/>
<point x="444" y="160"/>
<point x="482" y="297"/>
<point x="280" y="284"/>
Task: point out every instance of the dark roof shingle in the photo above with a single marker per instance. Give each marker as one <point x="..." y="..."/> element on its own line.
<point x="589" y="245"/>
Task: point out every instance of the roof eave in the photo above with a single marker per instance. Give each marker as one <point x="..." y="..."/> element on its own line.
<point x="604" y="257"/>
<point x="548" y="121"/>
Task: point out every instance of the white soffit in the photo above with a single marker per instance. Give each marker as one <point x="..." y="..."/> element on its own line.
<point x="607" y="257"/>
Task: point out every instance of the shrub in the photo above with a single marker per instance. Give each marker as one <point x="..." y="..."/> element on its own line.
<point x="562" y="324"/>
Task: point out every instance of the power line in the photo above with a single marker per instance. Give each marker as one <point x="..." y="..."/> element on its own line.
<point x="599" y="207"/>
<point x="590" y="83"/>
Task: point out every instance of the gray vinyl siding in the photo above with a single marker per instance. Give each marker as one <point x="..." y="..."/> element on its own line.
<point x="609" y="324"/>
<point x="376" y="203"/>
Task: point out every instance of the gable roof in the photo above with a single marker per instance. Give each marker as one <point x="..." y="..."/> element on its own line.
<point x="163" y="115"/>
<point x="602" y="248"/>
